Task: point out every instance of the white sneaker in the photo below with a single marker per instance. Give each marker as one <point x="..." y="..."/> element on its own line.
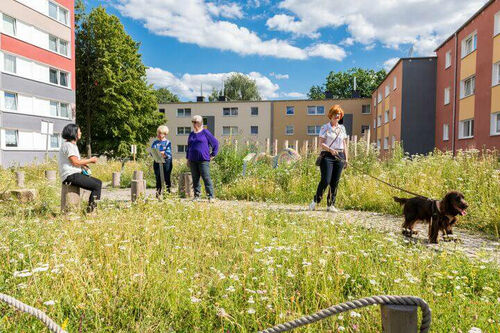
<point x="312" y="206"/>
<point x="332" y="209"/>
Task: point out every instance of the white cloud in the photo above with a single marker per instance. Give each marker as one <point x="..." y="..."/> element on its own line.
<point x="294" y="95"/>
<point x="192" y="21"/>
<point x="232" y="10"/>
<point x="278" y="76"/>
<point x="424" y="23"/>
<point x="388" y="64"/>
<point x="328" y="51"/>
<point x="188" y="86"/>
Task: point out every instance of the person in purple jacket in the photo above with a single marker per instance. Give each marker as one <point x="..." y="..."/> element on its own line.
<point x="198" y="154"/>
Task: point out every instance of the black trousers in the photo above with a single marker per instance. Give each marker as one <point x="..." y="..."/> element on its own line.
<point x="167" y="171"/>
<point x="331" y="168"/>
<point x="91" y="184"/>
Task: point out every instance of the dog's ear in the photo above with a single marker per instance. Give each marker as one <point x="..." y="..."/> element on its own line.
<point x="446" y="202"/>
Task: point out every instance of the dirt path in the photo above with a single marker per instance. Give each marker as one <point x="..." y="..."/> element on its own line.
<point x="475" y="245"/>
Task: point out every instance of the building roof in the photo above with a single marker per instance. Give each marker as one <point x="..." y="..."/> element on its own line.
<point x="270" y="101"/>
<point x="466" y="23"/>
<point x="396" y="65"/>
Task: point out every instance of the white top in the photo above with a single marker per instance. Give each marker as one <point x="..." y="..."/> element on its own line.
<point x="65" y="167"/>
<point x="330" y="133"/>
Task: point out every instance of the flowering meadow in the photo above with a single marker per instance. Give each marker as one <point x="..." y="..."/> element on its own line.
<point x="180" y="266"/>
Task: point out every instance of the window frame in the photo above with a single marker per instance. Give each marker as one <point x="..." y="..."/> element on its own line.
<point x="463" y="86"/>
<point x="496" y="25"/>
<point x="288" y="108"/>
<point x="386" y="143"/>
<point x="56" y="135"/>
<point x="14" y="25"/>
<point x="386" y="116"/>
<point x="57" y="17"/>
<point x="446" y="130"/>
<point x="394" y="112"/>
<point x="316" y="112"/>
<point x="447" y="59"/>
<point x="16" y="101"/>
<point x="252" y="127"/>
<point x="10" y="57"/>
<point x="287" y="127"/>
<point x="16" y="134"/>
<point x="387" y="90"/>
<point x="495" y="78"/>
<point x="461" y="127"/>
<point x="317" y="129"/>
<point x="447" y="95"/>
<point x="379" y="120"/>
<point x="231" y="111"/>
<point x="495" y="124"/>
<point x="183" y="113"/>
<point x="230" y="130"/>
<point x="394" y="82"/>
<point x="177" y="132"/>
<point x="252" y="108"/>
<point x="473" y="42"/>
<point x="363" y="107"/>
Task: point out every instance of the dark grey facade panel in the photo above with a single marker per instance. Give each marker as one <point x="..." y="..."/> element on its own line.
<point x="35" y="88"/>
<point x="31" y="123"/>
<point x="418" y="116"/>
<point x="347" y="122"/>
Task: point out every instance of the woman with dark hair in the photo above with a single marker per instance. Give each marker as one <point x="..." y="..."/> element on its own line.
<point x="74" y="170"/>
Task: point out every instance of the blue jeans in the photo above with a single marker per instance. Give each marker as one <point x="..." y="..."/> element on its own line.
<point x="331" y="168"/>
<point x="201" y="168"/>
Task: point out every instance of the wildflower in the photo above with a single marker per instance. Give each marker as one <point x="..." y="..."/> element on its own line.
<point x="251" y="300"/>
<point x="251" y="311"/>
<point x="222" y="313"/>
<point x="42" y="268"/>
<point x="290" y="274"/>
<point x="341" y="328"/>
<point x="234" y="277"/>
<point x="24" y="273"/>
<point x="195" y="300"/>
<point x="475" y="330"/>
<point x="269" y="306"/>
<point x="322" y="262"/>
<point x="49" y="303"/>
<point x="354" y="314"/>
<point x="231" y="289"/>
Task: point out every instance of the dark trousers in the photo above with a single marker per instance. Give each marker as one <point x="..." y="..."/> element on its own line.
<point x="167" y="171"/>
<point x="91" y="184"/>
<point x="201" y="169"/>
<point x="331" y="168"/>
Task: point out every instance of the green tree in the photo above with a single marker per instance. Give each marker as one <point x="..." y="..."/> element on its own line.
<point x="116" y="106"/>
<point x="163" y="95"/>
<point x="214" y="95"/>
<point x="239" y="87"/>
<point x="341" y="84"/>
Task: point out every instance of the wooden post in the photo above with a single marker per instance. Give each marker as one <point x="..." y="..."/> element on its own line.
<point x="268" y="146"/>
<point x="236" y="144"/>
<point x="355" y="139"/>
<point x="368" y="141"/>
<point x="315" y="144"/>
<point x="20" y="179"/>
<point x="297" y="145"/>
<point x="285" y="144"/>
<point x="348" y="144"/>
<point x="137" y="185"/>
<point x="275" y="148"/>
<point x="70" y="197"/>
<point x="399" y="318"/>
<point x="305" y="147"/>
<point x="247" y="143"/>
<point x="116" y="179"/>
<point x="50" y="175"/>
<point x="186" y="185"/>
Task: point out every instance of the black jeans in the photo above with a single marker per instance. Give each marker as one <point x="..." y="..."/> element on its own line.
<point x="201" y="169"/>
<point x="91" y="184"/>
<point x="331" y="168"/>
<point x="167" y="171"/>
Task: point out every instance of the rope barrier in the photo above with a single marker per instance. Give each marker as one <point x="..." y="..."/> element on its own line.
<point x="360" y="303"/>
<point x="51" y="325"/>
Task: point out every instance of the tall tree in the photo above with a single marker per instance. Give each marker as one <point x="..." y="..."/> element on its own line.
<point x="116" y="106"/>
<point x="163" y="95"/>
<point x="239" y="87"/>
<point x="341" y="84"/>
<point x="214" y="95"/>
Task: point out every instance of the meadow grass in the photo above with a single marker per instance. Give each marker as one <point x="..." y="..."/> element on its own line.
<point x="196" y="267"/>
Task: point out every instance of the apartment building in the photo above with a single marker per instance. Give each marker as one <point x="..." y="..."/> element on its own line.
<point x="468" y="84"/>
<point x="404" y="107"/>
<point x="37" y="78"/>
<point x="245" y="120"/>
<point x="302" y="119"/>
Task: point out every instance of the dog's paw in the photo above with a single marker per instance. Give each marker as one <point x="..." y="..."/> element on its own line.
<point x="407" y="232"/>
<point x="450" y="238"/>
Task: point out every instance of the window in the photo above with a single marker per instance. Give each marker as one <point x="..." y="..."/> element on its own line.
<point x="374" y="123"/>
<point x="393" y="112"/>
<point x="290" y="110"/>
<point x="315" y="110"/>
<point x="58" y="13"/>
<point x="496" y="29"/>
<point x="9" y="63"/>
<point x="365" y="109"/>
<point x="254" y="111"/>
<point x="386" y="116"/>
<point x="63" y="79"/>
<point x="230" y="112"/>
<point x="364" y="128"/>
<point x="54" y="141"/>
<point x="63" y="47"/>
<point x="59" y="109"/>
<point x="11" y="138"/>
<point x="495" y="124"/>
<point x="183" y="130"/>
<point x="386" y="143"/>
<point x="52" y="43"/>
<point x="289" y="130"/>
<point x="387" y="89"/>
<point x="9" y="25"/>
<point x="378" y="143"/>
<point x="446" y="96"/>
<point x="10" y="101"/>
<point x="469" y="44"/>
<point x="229" y="130"/>
<point x="379" y="120"/>
<point x="53" y="10"/>
<point x="54" y="108"/>
<point x="379" y="98"/>
<point x="466" y="129"/>
<point x="184" y="113"/>
<point x="446" y="130"/>
<point x="181" y="148"/>
<point x="58" y="77"/>
<point x="447" y="61"/>
<point x="162" y="111"/>
<point x="254" y="130"/>
<point x="393" y="144"/>
<point x="467" y="87"/>
<point x="496" y="74"/>
<point x="63" y="15"/>
<point x="395" y="83"/>
<point x="374" y="101"/>
<point x="313" y="130"/>
<point x="53" y="76"/>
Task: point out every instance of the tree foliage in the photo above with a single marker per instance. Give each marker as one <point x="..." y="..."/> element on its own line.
<point x="237" y="87"/>
<point x="116" y="106"/>
<point x="163" y="95"/>
<point x="341" y="84"/>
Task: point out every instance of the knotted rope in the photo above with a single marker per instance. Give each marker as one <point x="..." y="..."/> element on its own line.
<point x="360" y="303"/>
<point x="51" y="325"/>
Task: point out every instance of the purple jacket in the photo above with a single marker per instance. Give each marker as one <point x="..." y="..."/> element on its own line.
<point x="199" y="144"/>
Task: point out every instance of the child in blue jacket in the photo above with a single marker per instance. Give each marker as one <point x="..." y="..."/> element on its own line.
<point x="165" y="148"/>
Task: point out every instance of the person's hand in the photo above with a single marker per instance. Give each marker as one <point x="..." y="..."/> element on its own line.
<point x="85" y="167"/>
<point x="93" y="159"/>
<point x="334" y="152"/>
<point x="162" y="153"/>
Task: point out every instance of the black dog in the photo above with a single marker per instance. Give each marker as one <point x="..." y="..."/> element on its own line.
<point x="441" y="215"/>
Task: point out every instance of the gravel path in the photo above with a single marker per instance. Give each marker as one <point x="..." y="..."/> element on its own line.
<point x="475" y="245"/>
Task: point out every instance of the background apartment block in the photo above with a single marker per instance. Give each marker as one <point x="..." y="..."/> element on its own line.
<point x="404" y="107"/>
<point x="37" y="79"/>
<point x="302" y="119"/>
<point x="245" y="120"/>
<point x="468" y="84"/>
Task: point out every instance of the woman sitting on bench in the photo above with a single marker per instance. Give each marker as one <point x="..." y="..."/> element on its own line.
<point x="73" y="170"/>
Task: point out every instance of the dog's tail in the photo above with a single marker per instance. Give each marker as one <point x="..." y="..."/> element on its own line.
<point x="401" y="201"/>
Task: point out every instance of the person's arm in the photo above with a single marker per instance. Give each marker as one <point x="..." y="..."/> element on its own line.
<point x="213" y="142"/>
<point x="75" y="161"/>
<point x="188" y="144"/>
<point x="346" y="150"/>
<point x="168" y="151"/>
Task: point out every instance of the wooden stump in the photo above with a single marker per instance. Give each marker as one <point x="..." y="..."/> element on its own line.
<point x="50" y="175"/>
<point x="186" y="185"/>
<point x="399" y="318"/>
<point x="116" y="179"/>
<point x="20" y="179"/>
<point x="24" y="195"/>
<point x="70" y="197"/>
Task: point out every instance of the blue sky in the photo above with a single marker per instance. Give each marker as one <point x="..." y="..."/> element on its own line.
<point x="285" y="46"/>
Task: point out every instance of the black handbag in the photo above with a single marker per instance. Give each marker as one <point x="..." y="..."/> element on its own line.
<point x="323" y="153"/>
